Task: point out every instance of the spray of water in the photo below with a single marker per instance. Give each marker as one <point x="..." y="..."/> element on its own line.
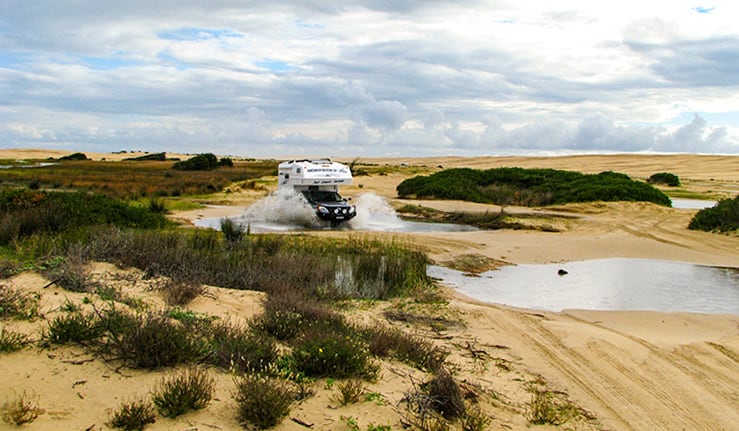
<point x="285" y="207"/>
<point x="374" y="213"/>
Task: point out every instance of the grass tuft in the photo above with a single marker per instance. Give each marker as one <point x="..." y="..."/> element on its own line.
<point x="191" y="389"/>
<point x="349" y="392"/>
<point x="181" y="292"/>
<point x="236" y="348"/>
<point x="12" y="341"/>
<point x="21" y="410"/>
<point x="133" y="415"/>
<point x="263" y="401"/>
<point x="74" y="327"/>
<point x="153" y="341"/>
<point x="16" y="304"/>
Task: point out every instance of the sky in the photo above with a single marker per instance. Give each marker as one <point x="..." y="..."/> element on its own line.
<point x="370" y="78"/>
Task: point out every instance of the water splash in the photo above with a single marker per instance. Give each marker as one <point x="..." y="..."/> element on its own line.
<point x="374" y="213"/>
<point x="284" y="208"/>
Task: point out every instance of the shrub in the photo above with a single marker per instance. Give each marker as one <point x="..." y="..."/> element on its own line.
<point x="21" y="410"/>
<point x="262" y="401"/>
<point x="74" y="156"/>
<point x="133" y="415"/>
<point x="200" y="162"/>
<point x="475" y="419"/>
<point x="14" y="303"/>
<point x="335" y="355"/>
<point x="191" y="389"/>
<point x="153" y="341"/>
<point x="12" y="341"/>
<point x="70" y="275"/>
<point x="235" y="348"/>
<point x="234" y="232"/>
<point x="447" y="396"/>
<point x="667" y="178"/>
<point x="547" y="408"/>
<point x="349" y="391"/>
<point x="8" y="267"/>
<point x="181" y="292"/>
<point x="723" y="217"/>
<point x="289" y="313"/>
<point x="518" y="186"/>
<point x="74" y="327"/>
<point x="25" y="212"/>
<point x="419" y="352"/>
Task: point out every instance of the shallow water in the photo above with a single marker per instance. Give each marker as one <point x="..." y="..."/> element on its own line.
<point x="286" y="211"/>
<point x="604" y="284"/>
<point x="693" y="204"/>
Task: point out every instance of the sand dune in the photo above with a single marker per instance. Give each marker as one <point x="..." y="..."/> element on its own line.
<point x="630" y="370"/>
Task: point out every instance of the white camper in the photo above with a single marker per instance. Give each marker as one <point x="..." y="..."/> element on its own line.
<point x="318" y="181"/>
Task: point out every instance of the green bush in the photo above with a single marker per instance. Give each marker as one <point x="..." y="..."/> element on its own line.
<point x="723" y="217"/>
<point x="288" y="313"/>
<point x="154" y="341"/>
<point x="200" y="162"/>
<point x="333" y="355"/>
<point x="74" y="327"/>
<point x="191" y="389"/>
<point x="667" y="178"/>
<point x="263" y="401"/>
<point x="518" y="186"/>
<point x="419" y="352"/>
<point x="26" y="212"/>
<point x="236" y="348"/>
<point x="133" y="415"/>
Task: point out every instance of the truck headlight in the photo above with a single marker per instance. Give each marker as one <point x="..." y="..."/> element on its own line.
<point x="322" y="210"/>
<point x="352" y="209"/>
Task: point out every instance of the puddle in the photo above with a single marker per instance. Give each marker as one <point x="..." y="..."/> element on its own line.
<point x="693" y="204"/>
<point x="604" y="284"/>
<point x="286" y="211"/>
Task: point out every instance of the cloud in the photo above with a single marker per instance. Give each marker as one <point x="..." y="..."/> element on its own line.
<point x="368" y="77"/>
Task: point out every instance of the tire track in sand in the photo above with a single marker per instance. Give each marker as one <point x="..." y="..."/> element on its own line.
<point x="632" y="393"/>
<point x="713" y="379"/>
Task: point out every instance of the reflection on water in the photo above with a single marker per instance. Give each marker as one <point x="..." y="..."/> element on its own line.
<point x="604" y="284"/>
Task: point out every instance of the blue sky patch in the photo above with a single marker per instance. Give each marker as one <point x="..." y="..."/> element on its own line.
<point x="194" y="33"/>
<point x="704" y="9"/>
<point x="275" y="66"/>
<point x="107" y="63"/>
<point x="11" y="59"/>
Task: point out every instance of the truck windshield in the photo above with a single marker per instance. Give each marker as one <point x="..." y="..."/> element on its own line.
<point x="314" y="196"/>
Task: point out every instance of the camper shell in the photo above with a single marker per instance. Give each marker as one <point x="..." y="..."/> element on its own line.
<point x="318" y="180"/>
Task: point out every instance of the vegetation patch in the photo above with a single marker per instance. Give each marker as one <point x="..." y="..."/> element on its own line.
<point x="27" y="212"/>
<point x="132" y="180"/>
<point x="11" y="341"/>
<point x="191" y="389"/>
<point x="334" y="355"/>
<point x="263" y="401"/>
<point x="665" y="178"/>
<point x="133" y="415"/>
<point x="21" y="410"/>
<point x="529" y="187"/>
<point x="18" y="305"/>
<point x="236" y="348"/>
<point x="722" y="217"/>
